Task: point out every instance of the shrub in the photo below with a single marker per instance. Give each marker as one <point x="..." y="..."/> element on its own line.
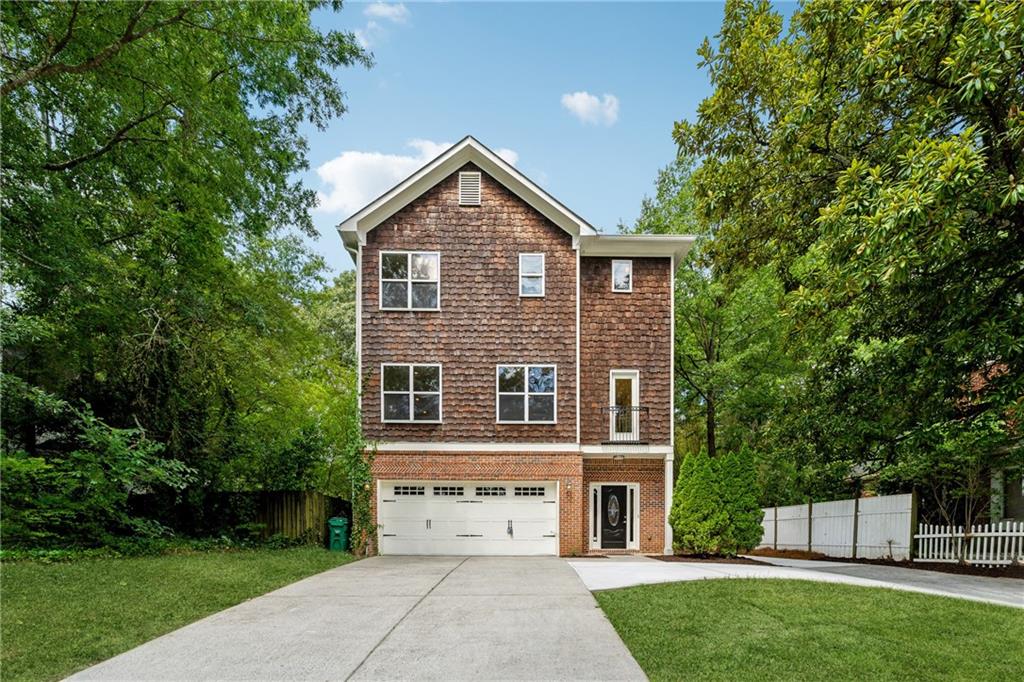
<point x="714" y="508"/>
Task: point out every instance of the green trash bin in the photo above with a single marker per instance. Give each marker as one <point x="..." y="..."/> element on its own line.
<point x="338" y="530"/>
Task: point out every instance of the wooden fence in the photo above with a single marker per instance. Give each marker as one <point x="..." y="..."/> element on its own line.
<point x="868" y="527"/>
<point x="988" y="544"/>
<point x="296" y="514"/>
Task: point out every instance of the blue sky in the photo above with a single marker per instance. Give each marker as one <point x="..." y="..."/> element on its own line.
<point x="580" y="96"/>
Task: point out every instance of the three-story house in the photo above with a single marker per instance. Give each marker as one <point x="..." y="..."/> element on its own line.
<point x="516" y="367"/>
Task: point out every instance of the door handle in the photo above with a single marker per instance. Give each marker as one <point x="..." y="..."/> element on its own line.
<point x="510" y="528"/>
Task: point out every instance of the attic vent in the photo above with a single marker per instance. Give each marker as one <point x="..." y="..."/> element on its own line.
<point x="469" y="189"/>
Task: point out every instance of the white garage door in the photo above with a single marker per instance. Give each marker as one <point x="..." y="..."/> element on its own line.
<point x="468" y="517"/>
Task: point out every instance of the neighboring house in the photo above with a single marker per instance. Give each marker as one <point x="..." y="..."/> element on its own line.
<point x="516" y="367"/>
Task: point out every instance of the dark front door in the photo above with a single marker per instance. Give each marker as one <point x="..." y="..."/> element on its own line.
<point x="614" y="516"/>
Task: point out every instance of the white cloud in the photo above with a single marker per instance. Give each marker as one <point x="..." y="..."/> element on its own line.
<point x="592" y="109"/>
<point x="374" y="31"/>
<point x="354" y="178"/>
<point x="392" y="11"/>
<point x="509" y="155"/>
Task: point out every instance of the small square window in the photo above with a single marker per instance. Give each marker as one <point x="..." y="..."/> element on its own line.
<point x="622" y="276"/>
<point x="531" y="274"/>
<point x="411" y="393"/>
<point x="410" y="281"/>
<point x="526" y="393"/>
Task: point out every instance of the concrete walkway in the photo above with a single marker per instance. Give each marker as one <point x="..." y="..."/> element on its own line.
<point x="613" y="572"/>
<point x="451" y="618"/>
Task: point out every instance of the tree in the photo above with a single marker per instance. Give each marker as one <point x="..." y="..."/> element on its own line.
<point x="151" y="223"/>
<point x="730" y="356"/>
<point x="872" y="156"/>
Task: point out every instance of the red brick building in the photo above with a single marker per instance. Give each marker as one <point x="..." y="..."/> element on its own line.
<point x="516" y="367"/>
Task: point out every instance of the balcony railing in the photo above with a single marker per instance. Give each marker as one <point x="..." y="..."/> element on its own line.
<point x="626" y="424"/>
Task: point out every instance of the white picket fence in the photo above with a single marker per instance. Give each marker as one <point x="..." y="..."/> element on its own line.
<point x="989" y="544"/>
<point x="869" y="527"/>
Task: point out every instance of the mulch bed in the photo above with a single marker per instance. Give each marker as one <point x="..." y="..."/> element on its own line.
<point x="959" y="569"/>
<point x="708" y="559"/>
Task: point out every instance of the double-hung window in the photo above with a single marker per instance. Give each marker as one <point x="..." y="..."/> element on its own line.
<point x="410" y="280"/>
<point x="531" y="274"/>
<point x="526" y="394"/>
<point x="410" y="393"/>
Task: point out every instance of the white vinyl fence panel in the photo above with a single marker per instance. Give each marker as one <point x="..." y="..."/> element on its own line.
<point x="989" y="544"/>
<point x="882" y="527"/>
<point x="832" y="528"/>
<point x="885" y="525"/>
<point x="792" y="527"/>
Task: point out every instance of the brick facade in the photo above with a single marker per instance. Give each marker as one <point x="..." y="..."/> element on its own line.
<point x="483" y="321"/>
<point x="625" y="331"/>
<point x="650" y="474"/>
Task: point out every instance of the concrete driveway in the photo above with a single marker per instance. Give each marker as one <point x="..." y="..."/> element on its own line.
<point x="390" y="618"/>
<point x="610" y="573"/>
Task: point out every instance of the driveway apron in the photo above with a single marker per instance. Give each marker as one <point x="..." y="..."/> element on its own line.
<point x="390" y="618"/>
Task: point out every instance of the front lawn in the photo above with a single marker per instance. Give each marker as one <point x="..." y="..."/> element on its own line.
<point x="798" y="630"/>
<point x="61" y="617"/>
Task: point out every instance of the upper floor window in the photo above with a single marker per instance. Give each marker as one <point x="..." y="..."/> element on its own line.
<point x="411" y="393"/>
<point x="622" y="276"/>
<point x="531" y="274"/>
<point x="526" y="393"/>
<point x="410" y="280"/>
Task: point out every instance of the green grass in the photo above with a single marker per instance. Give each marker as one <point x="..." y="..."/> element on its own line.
<point x="61" y="617"/>
<point x="797" y="630"/>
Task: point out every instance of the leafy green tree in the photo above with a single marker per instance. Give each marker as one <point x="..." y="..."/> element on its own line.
<point x="151" y="219"/>
<point x="871" y="154"/>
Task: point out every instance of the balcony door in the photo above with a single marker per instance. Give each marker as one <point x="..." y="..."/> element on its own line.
<point x="624" y="390"/>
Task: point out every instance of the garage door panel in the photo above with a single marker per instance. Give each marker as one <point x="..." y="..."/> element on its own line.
<point x="422" y="522"/>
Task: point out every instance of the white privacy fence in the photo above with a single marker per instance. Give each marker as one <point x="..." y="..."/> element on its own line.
<point x="868" y="527"/>
<point x="989" y="544"/>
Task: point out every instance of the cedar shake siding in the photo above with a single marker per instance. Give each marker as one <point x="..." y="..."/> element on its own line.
<point x="482" y="321"/>
<point x="626" y="331"/>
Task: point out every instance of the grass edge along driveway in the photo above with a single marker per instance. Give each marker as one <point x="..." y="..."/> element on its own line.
<point x="62" y="617"/>
<point x="800" y="630"/>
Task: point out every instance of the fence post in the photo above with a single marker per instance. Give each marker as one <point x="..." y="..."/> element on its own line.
<point x="856" y="517"/>
<point x="911" y="550"/>
<point x="810" y="516"/>
<point x="775" y="533"/>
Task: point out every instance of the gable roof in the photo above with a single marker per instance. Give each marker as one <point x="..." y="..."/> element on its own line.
<point x="469" y="150"/>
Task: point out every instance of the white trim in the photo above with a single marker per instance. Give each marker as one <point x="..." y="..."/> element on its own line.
<point x="627" y="450"/>
<point x="526" y="393"/>
<point x="412" y="393"/>
<point x="428" y="446"/>
<point x="629" y="262"/>
<point x="634" y="375"/>
<point x="636" y="245"/>
<point x="632" y="489"/>
<point x="577" y="343"/>
<point x="467" y="150"/>
<point x="669" y="463"/>
<point x="543" y="275"/>
<point x="409" y="253"/>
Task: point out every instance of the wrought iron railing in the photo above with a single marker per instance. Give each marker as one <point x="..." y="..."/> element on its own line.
<point x="626" y="424"/>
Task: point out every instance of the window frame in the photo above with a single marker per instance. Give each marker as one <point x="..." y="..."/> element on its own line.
<point x="629" y="261"/>
<point x="411" y="393"/>
<point x="543" y="275"/>
<point x="408" y="280"/>
<point x="525" y="393"/>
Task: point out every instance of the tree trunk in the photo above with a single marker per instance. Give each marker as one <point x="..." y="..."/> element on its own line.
<point x="710" y="413"/>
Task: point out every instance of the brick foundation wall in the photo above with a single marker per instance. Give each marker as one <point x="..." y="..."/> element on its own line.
<point x="650" y="474"/>
<point x="483" y="321"/>
<point x="566" y="468"/>
<point x="625" y="331"/>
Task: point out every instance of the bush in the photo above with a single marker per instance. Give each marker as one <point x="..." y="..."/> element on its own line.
<point x="715" y="508"/>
